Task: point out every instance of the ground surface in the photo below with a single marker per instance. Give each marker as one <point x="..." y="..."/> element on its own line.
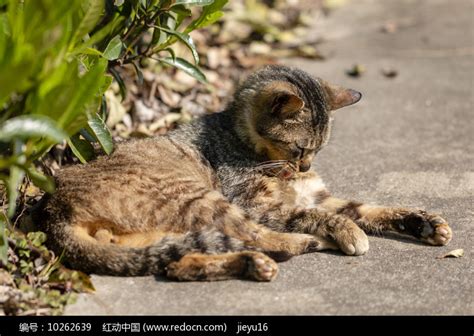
<point x="409" y="141"/>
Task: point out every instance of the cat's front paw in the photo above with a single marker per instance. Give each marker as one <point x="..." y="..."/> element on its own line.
<point x="349" y="237"/>
<point x="441" y="234"/>
<point x="429" y="228"/>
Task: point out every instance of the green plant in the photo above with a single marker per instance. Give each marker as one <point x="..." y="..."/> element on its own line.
<point x="55" y="60"/>
<point x="37" y="282"/>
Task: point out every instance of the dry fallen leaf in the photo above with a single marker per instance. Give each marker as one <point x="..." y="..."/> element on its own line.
<point x="333" y="4"/>
<point x="5" y="278"/>
<point x="356" y="71"/>
<point x="165" y="121"/>
<point x="143" y="112"/>
<point x="169" y="97"/>
<point x="389" y="72"/>
<point x="458" y="253"/>
<point x="115" y="109"/>
<point x="390" y="27"/>
<point x="213" y="58"/>
<point x="260" y="48"/>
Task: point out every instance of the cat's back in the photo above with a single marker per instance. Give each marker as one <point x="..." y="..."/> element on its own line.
<point x="143" y="156"/>
<point x="137" y="170"/>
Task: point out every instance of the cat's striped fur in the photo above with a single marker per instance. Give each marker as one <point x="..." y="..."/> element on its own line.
<point x="224" y="196"/>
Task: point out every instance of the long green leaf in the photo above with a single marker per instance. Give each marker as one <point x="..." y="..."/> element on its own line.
<point x="185" y="38"/>
<point x="3" y="239"/>
<point x="139" y="73"/>
<point x="85" y="132"/>
<point x="120" y="82"/>
<point x="81" y="148"/>
<point x="113" y="49"/>
<point x="209" y="15"/>
<point x="42" y="181"/>
<point x="171" y="51"/>
<point x="16" y="177"/>
<point x="24" y="127"/>
<point x="181" y="13"/>
<point x="91" y="17"/>
<point x="87" y="90"/>
<point x="187" y="67"/>
<point x="107" y="80"/>
<point x="98" y="36"/>
<point x="93" y="52"/>
<point x="101" y="132"/>
<point x="54" y="79"/>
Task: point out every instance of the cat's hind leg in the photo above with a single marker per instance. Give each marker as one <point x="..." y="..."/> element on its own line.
<point x="213" y="210"/>
<point x="236" y="265"/>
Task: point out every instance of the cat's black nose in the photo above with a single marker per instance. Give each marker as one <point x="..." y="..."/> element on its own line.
<point x="304" y="166"/>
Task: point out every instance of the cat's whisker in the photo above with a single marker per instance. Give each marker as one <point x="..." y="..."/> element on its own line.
<point x="278" y="168"/>
<point x="270" y="166"/>
<point x="292" y="166"/>
<point x="272" y="162"/>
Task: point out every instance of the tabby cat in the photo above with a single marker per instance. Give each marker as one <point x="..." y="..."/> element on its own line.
<point x="225" y="196"/>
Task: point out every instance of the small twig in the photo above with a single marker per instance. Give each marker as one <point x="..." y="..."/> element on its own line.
<point x="152" y="91"/>
<point x="23" y="201"/>
<point x="35" y="312"/>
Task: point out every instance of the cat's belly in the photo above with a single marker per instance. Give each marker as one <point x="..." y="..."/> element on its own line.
<point x="309" y="191"/>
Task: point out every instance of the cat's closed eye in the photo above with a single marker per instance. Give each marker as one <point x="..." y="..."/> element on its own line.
<point x="297" y="152"/>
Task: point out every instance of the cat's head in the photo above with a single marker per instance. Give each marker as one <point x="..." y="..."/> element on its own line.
<point x="286" y="114"/>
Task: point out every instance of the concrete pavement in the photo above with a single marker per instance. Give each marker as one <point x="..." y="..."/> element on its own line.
<point x="408" y="142"/>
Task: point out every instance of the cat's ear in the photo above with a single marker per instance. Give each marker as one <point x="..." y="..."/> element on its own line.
<point x="338" y="96"/>
<point x="282" y="98"/>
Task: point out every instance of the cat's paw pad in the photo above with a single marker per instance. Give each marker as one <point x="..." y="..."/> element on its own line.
<point x="261" y="267"/>
<point x="441" y="233"/>
<point x="351" y="239"/>
<point x="429" y="228"/>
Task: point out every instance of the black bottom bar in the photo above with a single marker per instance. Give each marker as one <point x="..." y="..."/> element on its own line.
<point x="237" y="325"/>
